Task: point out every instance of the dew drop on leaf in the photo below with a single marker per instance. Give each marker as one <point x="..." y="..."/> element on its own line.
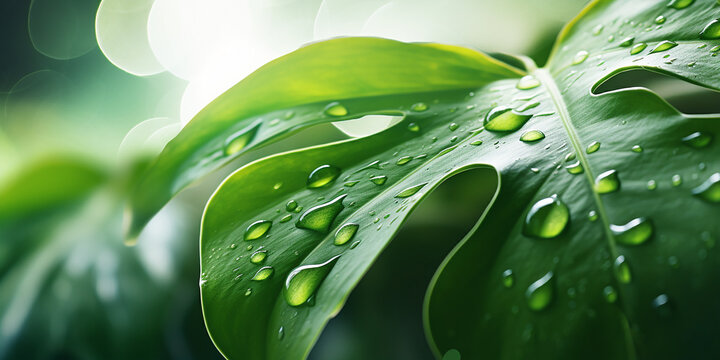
<point x="281" y="333"/>
<point x="622" y="270"/>
<point x="627" y="42"/>
<point x="593" y="147"/>
<point x="607" y="182"/>
<point x="322" y="176"/>
<point x="410" y="191"/>
<point x="413" y="127"/>
<point x="663" y="46"/>
<point x="285" y="218"/>
<point x="676" y="180"/>
<point x="355" y="244"/>
<point x="575" y="168"/>
<point x="257" y="229"/>
<point x="660" y="19"/>
<point x="610" y="294"/>
<point x="637" y="148"/>
<point x="637" y="48"/>
<point x="504" y="119"/>
<point x="335" y="109"/>
<point x="508" y="278"/>
<point x="710" y="189"/>
<point x="264" y="273"/>
<point x="547" y="218"/>
<point x="598" y="29"/>
<point x="697" y="140"/>
<point x="592" y="215"/>
<point x="403" y="160"/>
<point x="711" y="31"/>
<point x="651" y="185"/>
<point x="580" y="57"/>
<point x="527" y="82"/>
<point x="635" y="232"/>
<point x="320" y="218"/>
<point x="291" y="205"/>
<point x="241" y="139"/>
<point x="419" y="107"/>
<point x="570" y="157"/>
<point x="540" y="293"/>
<point x="680" y="4"/>
<point x="662" y="305"/>
<point x="379" y="180"/>
<point x="476" y="143"/>
<point x="345" y="233"/>
<point x="258" y="256"/>
<point x="303" y="281"/>
<point x="453" y="126"/>
<point x="532" y="136"/>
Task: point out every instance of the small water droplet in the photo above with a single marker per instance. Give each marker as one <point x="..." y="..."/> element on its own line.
<point x="540" y="293"/>
<point x="635" y="232"/>
<point x="580" y="57"/>
<point x="627" y="42"/>
<point x="413" y="127"/>
<point x="508" y="278"/>
<point x="419" y="107"/>
<point x="285" y="218"/>
<point x="637" y="148"/>
<point x="264" y="273"/>
<point x="698" y="140"/>
<point x="593" y="147"/>
<point x="651" y="185"/>
<point x="351" y="183"/>
<point x="277" y="186"/>
<point x="662" y="305"/>
<point x="476" y="143"/>
<point x="547" y="218"/>
<point x="345" y="233"/>
<point x="403" y="160"/>
<point x="532" y="136"/>
<point x="248" y="292"/>
<point x="570" y="157"/>
<point x="335" y="109"/>
<point x="241" y="139"/>
<point x="663" y="46"/>
<point x="527" y="82"/>
<point x="680" y="4"/>
<point x="355" y="244"/>
<point x="575" y="168"/>
<point x="319" y="218"/>
<point x="607" y="182"/>
<point x="379" y="180"/>
<point x="660" y="19"/>
<point x="291" y="205"/>
<point x="258" y="256"/>
<point x="710" y="189"/>
<point x="637" y="48"/>
<point x="257" y="229"/>
<point x="610" y="294"/>
<point x="281" y="333"/>
<point x="233" y="246"/>
<point x="711" y="30"/>
<point x="535" y="170"/>
<point x="598" y="29"/>
<point x="676" y="180"/>
<point x="304" y="280"/>
<point x="504" y="119"/>
<point x="592" y="215"/>
<point x="622" y="270"/>
<point x="322" y="176"/>
<point x="453" y="126"/>
<point x="410" y="191"/>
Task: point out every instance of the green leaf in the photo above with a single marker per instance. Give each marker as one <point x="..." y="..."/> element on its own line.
<point x="599" y="242"/>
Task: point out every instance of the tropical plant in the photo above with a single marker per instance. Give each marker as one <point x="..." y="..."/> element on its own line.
<point x="599" y="241"/>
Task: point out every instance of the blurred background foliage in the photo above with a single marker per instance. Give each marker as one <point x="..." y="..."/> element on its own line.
<point x="90" y="90"/>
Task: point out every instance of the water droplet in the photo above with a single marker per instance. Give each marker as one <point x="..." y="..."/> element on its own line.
<point x="610" y="294"/>
<point x="264" y="273"/>
<point x="291" y="205"/>
<point x="504" y="119"/>
<point x="635" y="232"/>
<point x="303" y="281"/>
<point x="535" y="170"/>
<point x="622" y="270"/>
<point x="322" y="176"/>
<point x="258" y="256"/>
<point x="286" y="218"/>
<point x="403" y="160"/>
<point x="570" y="157"/>
<point x="710" y="189"/>
<point x="698" y="140"/>
<point x="419" y="107"/>
<point x="379" y="180"/>
<point x="592" y="215"/>
<point x="476" y="143"/>
<point x="453" y="139"/>
<point x="651" y="185"/>
<point x="637" y="148"/>
<point x="676" y="180"/>
<point x="249" y="247"/>
<point x="660" y="19"/>
<point x="248" y="292"/>
<point x="351" y="183"/>
<point x="598" y="29"/>
<point x="680" y="4"/>
<point x="257" y="229"/>
<point x="627" y="42"/>
<point x="319" y="218"/>
<point x="527" y="82"/>
<point x="607" y="182"/>
<point x="547" y="218"/>
<point x="335" y="109"/>
<point x="532" y="136"/>
<point x="233" y="246"/>
<point x="453" y="126"/>
<point x="540" y="293"/>
<point x="277" y="186"/>
<point x="281" y="333"/>
<point x="662" y="305"/>
<point x="575" y="168"/>
<point x="711" y="30"/>
<point x="663" y="46"/>
<point x="413" y="127"/>
<point x="580" y="57"/>
<point x="637" y="48"/>
<point x="593" y="147"/>
<point x="410" y="191"/>
<point x="355" y="244"/>
<point x="241" y="139"/>
<point x="508" y="278"/>
<point x="345" y="233"/>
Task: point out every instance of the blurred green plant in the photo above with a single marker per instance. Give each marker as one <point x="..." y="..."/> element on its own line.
<point x="583" y="252"/>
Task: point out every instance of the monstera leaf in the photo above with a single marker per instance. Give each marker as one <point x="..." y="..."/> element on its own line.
<point x="599" y="240"/>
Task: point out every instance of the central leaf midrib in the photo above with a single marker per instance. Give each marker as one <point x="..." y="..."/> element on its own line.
<point x="543" y="75"/>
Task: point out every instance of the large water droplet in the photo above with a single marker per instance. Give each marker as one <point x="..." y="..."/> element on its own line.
<point x="291" y="205"/>
<point x="680" y="4"/>
<point x="540" y="293"/>
<point x="527" y="82"/>
<point x="637" y="48"/>
<point x="335" y="109"/>
<point x="258" y="256"/>
<point x="663" y="46"/>
<point x="710" y="189"/>
<point x="711" y="30"/>
<point x="410" y="191"/>
<point x="635" y="232"/>
<point x="508" y="278"/>
<point x="698" y="139"/>
<point x="346" y="233"/>
<point x="319" y="218"/>
<point x="379" y="180"/>
<point x="593" y="147"/>
<point x="532" y="136"/>
<point x="303" y="281"/>
<point x="264" y="273"/>
<point x="322" y="176"/>
<point x="622" y="270"/>
<point x="607" y="182"/>
<point x="241" y="139"/>
<point x="504" y="119"/>
<point x="575" y="168"/>
<point x="257" y="229"/>
<point x="580" y="57"/>
<point x="547" y="218"/>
